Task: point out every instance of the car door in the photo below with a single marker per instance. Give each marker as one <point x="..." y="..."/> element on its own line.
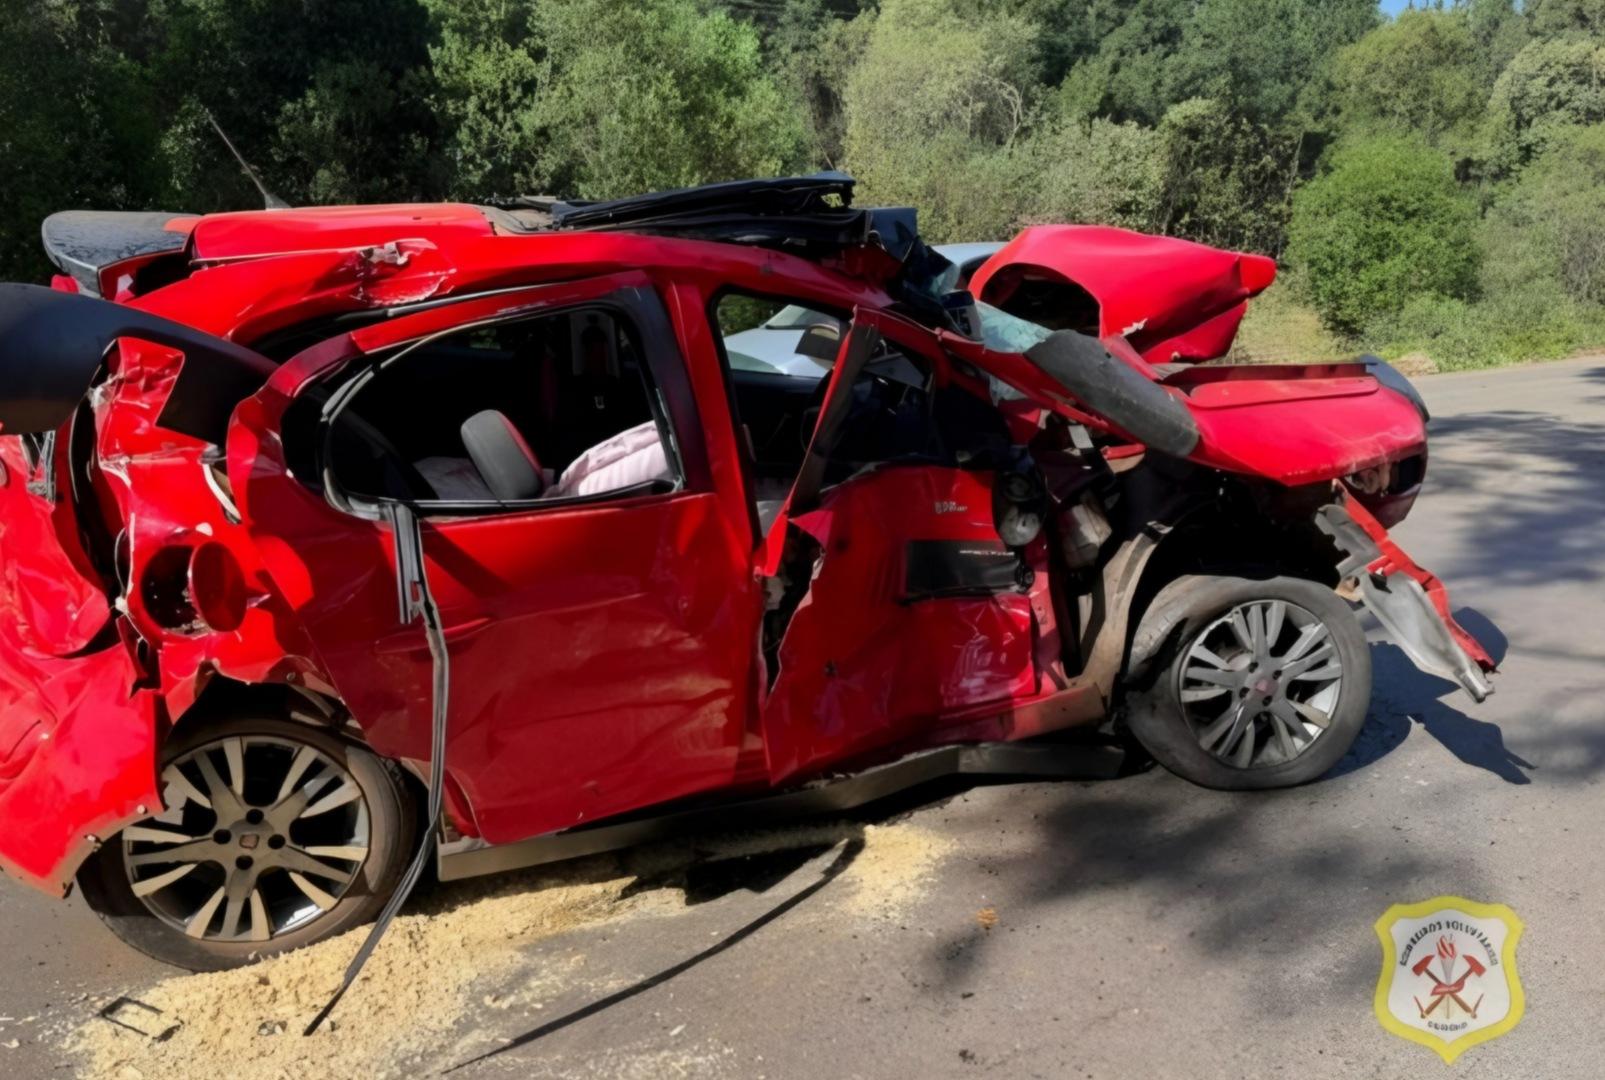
<point x="914" y="622"/>
<point x="600" y="643"/>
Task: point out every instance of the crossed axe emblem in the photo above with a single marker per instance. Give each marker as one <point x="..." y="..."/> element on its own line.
<point x="1444" y="989"/>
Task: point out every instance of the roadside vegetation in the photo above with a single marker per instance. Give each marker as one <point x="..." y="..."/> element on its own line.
<point x="1433" y="185"/>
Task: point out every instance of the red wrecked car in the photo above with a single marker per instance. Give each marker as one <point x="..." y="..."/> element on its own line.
<point x="246" y="455"/>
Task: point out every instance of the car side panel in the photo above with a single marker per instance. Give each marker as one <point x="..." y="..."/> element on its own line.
<point x="601" y="655"/>
<point x="77" y="758"/>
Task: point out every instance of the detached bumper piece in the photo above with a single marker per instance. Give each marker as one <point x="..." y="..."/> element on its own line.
<point x="1411" y="604"/>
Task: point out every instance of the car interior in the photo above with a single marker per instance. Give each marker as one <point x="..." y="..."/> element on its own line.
<point x="553" y="407"/>
<point x="562" y="406"/>
<point x="895" y="414"/>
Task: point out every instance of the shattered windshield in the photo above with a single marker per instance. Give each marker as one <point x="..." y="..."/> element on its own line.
<point x="1003" y="332"/>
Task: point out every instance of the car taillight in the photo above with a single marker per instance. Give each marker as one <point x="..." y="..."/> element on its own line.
<point x="217" y="587"/>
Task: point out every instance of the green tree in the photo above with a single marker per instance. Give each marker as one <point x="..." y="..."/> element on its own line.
<point x="486" y="75"/>
<point x="77" y="119"/>
<point x="1418" y="73"/>
<point x="330" y="101"/>
<point x="1553" y="17"/>
<point x="1266" y="59"/>
<point x="1385" y="224"/>
<point x="1095" y="171"/>
<point x="1548" y="228"/>
<point x="1124" y="75"/>
<point x="1550" y="84"/>
<point x="811" y="48"/>
<point x="933" y="110"/>
<point x="1227" y="179"/>
<point x="1499" y="30"/>
<point x="659" y="95"/>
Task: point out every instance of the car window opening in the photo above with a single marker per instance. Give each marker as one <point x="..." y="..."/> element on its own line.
<point x="554" y="408"/>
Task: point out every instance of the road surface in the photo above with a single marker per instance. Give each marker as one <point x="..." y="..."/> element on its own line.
<point x="1144" y="927"/>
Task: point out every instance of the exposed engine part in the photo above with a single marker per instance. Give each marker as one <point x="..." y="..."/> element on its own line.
<point x="1083" y="530"/>
<point x="1370" y="481"/>
<point x="1017" y="504"/>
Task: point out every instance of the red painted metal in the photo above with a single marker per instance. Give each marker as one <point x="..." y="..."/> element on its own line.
<point x="1184" y="311"/>
<point x="77" y="757"/>
<point x="633" y="622"/>
<point x="1393" y="560"/>
<point x="861" y="667"/>
<point x="604" y="658"/>
<point x="50" y="597"/>
<point x="253" y="234"/>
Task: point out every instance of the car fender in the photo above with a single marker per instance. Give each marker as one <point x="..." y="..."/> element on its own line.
<point x="1409" y="602"/>
<point x="78" y="744"/>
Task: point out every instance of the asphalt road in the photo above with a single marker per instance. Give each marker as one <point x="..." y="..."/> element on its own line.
<point x="1145" y="927"/>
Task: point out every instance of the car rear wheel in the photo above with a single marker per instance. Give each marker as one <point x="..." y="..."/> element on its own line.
<point x="275" y="835"/>
<point x="1260" y="683"/>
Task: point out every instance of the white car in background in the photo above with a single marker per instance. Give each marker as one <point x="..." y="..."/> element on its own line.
<point x="771" y="348"/>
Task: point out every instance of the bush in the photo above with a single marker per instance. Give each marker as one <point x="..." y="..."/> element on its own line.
<point x="1513" y="327"/>
<point x="1280" y="328"/>
<point x="1416" y="73"/>
<point x="933" y="109"/>
<point x="656" y="95"/>
<point x="1226" y="178"/>
<point x="1096" y="171"/>
<point x="1384" y="225"/>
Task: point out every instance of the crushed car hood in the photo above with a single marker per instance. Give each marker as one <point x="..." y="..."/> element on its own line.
<point x="1174" y="300"/>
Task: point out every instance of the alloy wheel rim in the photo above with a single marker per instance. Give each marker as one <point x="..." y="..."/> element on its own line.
<point x="261" y="836"/>
<point x="1259" y="685"/>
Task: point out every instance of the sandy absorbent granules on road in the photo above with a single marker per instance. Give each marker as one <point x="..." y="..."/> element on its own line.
<point x="434" y="964"/>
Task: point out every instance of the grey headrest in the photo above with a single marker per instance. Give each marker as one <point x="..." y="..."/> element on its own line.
<point x="505" y="461"/>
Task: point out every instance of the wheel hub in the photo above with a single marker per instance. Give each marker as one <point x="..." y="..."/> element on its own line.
<point x="261" y="836"/>
<point x="1259" y="685"/>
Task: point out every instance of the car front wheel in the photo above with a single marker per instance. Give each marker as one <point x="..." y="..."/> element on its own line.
<point x="275" y="835"/>
<point x="1259" y="683"/>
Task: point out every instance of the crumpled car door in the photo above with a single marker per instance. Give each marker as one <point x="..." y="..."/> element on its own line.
<point x="881" y="649"/>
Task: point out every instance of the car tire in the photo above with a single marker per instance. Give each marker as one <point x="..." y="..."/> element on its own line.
<point x="383" y="807"/>
<point x="1205" y="683"/>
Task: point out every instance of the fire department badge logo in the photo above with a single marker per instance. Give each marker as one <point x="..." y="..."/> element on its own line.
<point x="1449" y="973"/>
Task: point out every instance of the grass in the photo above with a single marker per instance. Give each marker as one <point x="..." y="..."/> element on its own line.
<point x="1428" y="334"/>
<point x="1280" y="329"/>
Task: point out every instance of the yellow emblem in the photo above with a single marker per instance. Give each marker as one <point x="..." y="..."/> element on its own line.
<point x="1449" y="973"/>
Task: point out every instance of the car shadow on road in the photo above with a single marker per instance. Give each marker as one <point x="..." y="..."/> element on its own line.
<point x="1407" y="698"/>
<point x="1245" y="879"/>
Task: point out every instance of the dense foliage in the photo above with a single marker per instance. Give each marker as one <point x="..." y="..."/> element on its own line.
<point x="1431" y="182"/>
